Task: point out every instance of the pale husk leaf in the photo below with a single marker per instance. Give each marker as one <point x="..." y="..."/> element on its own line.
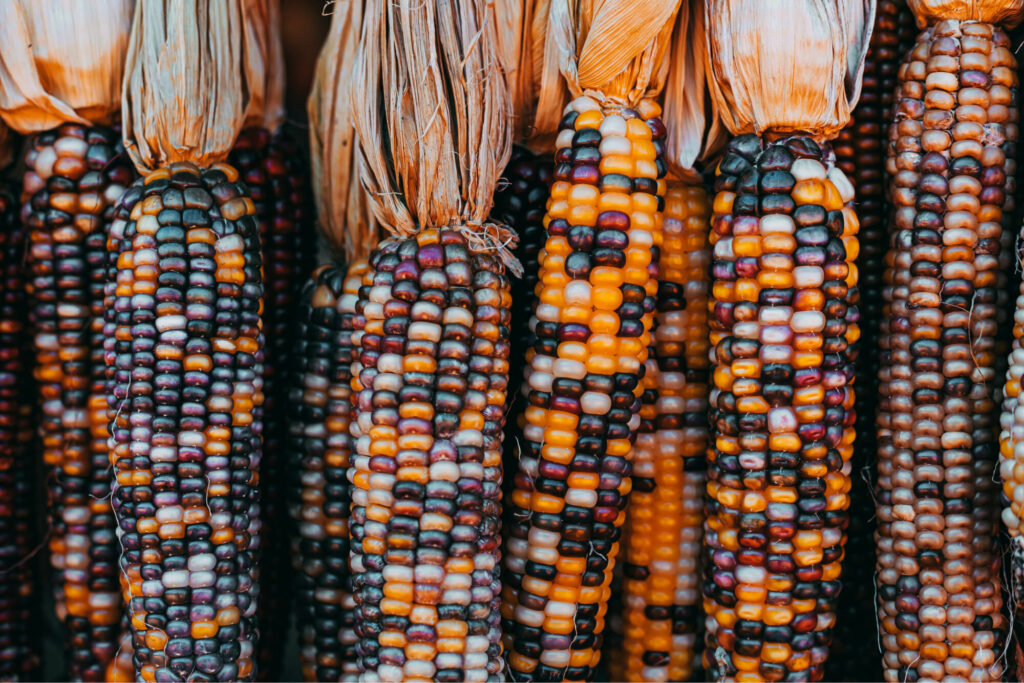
<point x="771" y="83"/>
<point x="189" y="76"/>
<point x="345" y="217"/>
<point x="695" y="130"/>
<point x="515" y="49"/>
<point x="62" y="62"/>
<point x="432" y="113"/>
<point x="609" y="49"/>
<point x="266" y="102"/>
<point x="1007" y="13"/>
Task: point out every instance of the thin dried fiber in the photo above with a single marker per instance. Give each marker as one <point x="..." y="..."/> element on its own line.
<point x="345" y="217"/>
<point x="61" y="62"/>
<point x="770" y="82"/>
<point x="266" y="105"/>
<point x="695" y="130"/>
<point x="607" y="49"/>
<point x="433" y="119"/>
<point x="191" y="69"/>
<point x="1006" y="13"/>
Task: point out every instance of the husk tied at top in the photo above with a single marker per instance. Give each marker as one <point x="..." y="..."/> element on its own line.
<point x="433" y="117"/>
<point x="62" y="62"/>
<point x="345" y="217"/>
<point x="193" y="69"/>
<point x="1006" y="13"/>
<point x="796" y="69"/>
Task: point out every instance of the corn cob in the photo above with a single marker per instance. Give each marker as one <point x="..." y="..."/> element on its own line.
<point x="185" y="442"/>
<point x="273" y="169"/>
<point x="860" y="154"/>
<point x="319" y="404"/>
<point x="19" y="657"/>
<point x="665" y="519"/>
<point x="592" y="323"/>
<point x="783" y="317"/>
<point x="432" y="325"/>
<point x="953" y="131"/>
<point x="74" y="175"/>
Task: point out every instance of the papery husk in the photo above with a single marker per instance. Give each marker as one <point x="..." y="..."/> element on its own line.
<point x="62" y="62"/>
<point x="345" y="218"/>
<point x="433" y="117"/>
<point x="189" y="77"/>
<point x="1006" y="13"/>
<point x="611" y="50"/>
<point x="266" y="104"/>
<point x="695" y="130"/>
<point x="515" y="45"/>
<point x="797" y="69"/>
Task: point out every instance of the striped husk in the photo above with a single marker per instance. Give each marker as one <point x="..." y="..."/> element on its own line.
<point x="19" y="655"/>
<point x="592" y="325"/>
<point x="784" y="317"/>
<point x="431" y="379"/>
<point x="319" y="404"/>
<point x="187" y="382"/>
<point x="73" y="177"/>
<point x="950" y="146"/>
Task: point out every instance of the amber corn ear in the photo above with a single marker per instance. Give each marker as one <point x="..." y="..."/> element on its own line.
<point x="185" y="439"/>
<point x="664" y="523"/>
<point x="276" y="174"/>
<point x="783" y="319"/>
<point x="592" y="325"/>
<point x="73" y="176"/>
<point x="431" y="378"/>
<point x="319" y="451"/>
<point x="19" y="593"/>
<point x="952" y="138"/>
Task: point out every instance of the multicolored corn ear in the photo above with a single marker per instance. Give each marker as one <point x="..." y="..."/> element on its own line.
<point x="783" y="319"/>
<point x="73" y="177"/>
<point x="19" y="591"/>
<point x="187" y="382"/>
<point x="276" y="174"/>
<point x="860" y="153"/>
<point x="430" y="381"/>
<point x="583" y="382"/>
<point x="664" y="523"/>
<point x="951" y="145"/>
<point x="320" y="449"/>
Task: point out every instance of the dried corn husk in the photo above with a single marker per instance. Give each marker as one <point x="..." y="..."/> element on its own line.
<point x="1006" y="13"/>
<point x="515" y="45"/>
<point x="797" y="69"/>
<point x="695" y="130"/>
<point x="61" y="62"/>
<point x="345" y="218"/>
<point x="612" y="50"/>
<point x="433" y="119"/>
<point x="191" y="69"/>
<point x="266" y="104"/>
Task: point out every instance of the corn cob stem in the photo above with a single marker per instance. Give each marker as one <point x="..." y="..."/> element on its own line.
<point x="938" y="582"/>
<point x="185" y="442"/>
<point x="432" y="325"/>
<point x="271" y="166"/>
<point x="74" y="176"/>
<point x="320" y="447"/>
<point x="784" y="239"/>
<point x="592" y="324"/>
<point x="19" y="658"/>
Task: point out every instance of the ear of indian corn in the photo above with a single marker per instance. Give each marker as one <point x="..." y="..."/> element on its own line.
<point x="950" y="144"/>
<point x="74" y="176"/>
<point x="664" y="524"/>
<point x="783" y="319"/>
<point x="187" y="380"/>
<point x="273" y="169"/>
<point x="19" y="655"/>
<point x="320" y="450"/>
<point x="592" y="323"/>
<point x="432" y="326"/>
